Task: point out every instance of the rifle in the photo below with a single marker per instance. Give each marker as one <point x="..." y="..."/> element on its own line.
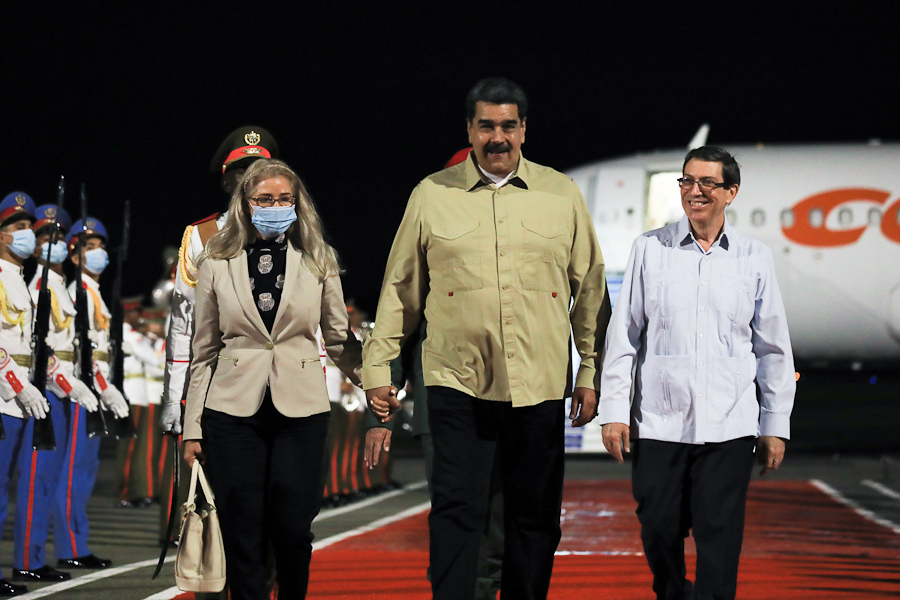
<point x="43" y="437"/>
<point x="125" y="426"/>
<point x="95" y="422"/>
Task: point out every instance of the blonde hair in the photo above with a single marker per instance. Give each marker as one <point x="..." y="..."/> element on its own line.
<point x="305" y="234"/>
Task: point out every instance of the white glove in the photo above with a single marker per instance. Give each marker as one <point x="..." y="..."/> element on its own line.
<point x="33" y="401"/>
<point x="112" y="399"/>
<point x="83" y="395"/>
<point x="170" y="420"/>
<point x="66" y="386"/>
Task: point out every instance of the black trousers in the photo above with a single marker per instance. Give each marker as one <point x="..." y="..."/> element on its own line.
<point x="679" y="487"/>
<point x="265" y="471"/>
<point x="467" y="432"/>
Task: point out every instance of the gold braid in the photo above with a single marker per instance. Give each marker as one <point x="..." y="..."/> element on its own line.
<point x="102" y="320"/>
<point x="61" y="324"/>
<point x="5" y="309"/>
<point x="183" y="268"/>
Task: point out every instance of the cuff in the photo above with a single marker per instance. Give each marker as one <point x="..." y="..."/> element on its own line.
<point x="377" y="376"/>
<point x="614" y="411"/>
<point x="774" y="424"/>
<point x="588" y="377"/>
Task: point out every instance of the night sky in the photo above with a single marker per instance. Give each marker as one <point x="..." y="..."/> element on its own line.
<point x="365" y="100"/>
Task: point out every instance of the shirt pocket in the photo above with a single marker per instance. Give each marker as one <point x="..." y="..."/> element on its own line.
<point x="730" y="379"/>
<point x="455" y="258"/>
<point x="665" y="292"/>
<point x="735" y="297"/>
<point x="666" y="384"/>
<point x="540" y="264"/>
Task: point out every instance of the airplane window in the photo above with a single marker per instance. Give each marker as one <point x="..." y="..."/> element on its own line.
<point x="758" y="218"/>
<point x="845" y="216"/>
<point x="875" y="217"/>
<point x="815" y="217"/>
<point x="731" y="215"/>
<point x="787" y="218"/>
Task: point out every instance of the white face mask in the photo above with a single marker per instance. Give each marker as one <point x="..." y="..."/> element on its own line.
<point x="96" y="260"/>
<point x="58" y="252"/>
<point x="23" y="242"/>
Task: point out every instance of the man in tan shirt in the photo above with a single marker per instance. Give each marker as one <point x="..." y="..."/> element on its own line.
<point x="500" y="255"/>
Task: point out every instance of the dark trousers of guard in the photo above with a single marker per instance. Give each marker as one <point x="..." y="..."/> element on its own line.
<point x="699" y="487"/>
<point x="467" y="433"/>
<point x="265" y="471"/>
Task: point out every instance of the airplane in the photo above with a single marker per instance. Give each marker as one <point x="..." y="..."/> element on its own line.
<point x="830" y="213"/>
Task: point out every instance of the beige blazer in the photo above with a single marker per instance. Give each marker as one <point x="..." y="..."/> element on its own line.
<point x="235" y="357"/>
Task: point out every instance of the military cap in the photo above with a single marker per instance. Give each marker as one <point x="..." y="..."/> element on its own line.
<point x="92" y="228"/>
<point x="15" y="207"/>
<point x="458" y="157"/>
<point x="154" y="315"/>
<point x="51" y="214"/>
<point x="243" y="146"/>
<point x="133" y="302"/>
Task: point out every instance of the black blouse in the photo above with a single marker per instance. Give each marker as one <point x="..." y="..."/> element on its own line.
<point x="267" y="264"/>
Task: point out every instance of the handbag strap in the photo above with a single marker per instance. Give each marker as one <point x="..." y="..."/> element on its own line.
<point x="204" y="484"/>
<point x="192" y="491"/>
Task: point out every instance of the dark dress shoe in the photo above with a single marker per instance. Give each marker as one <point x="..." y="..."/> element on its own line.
<point x="84" y="562"/>
<point x="45" y="573"/>
<point x="11" y="589"/>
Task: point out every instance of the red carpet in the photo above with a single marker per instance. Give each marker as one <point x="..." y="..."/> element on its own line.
<point x="799" y="543"/>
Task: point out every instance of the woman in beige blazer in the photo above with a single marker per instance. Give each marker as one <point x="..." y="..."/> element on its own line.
<point x="257" y="407"/>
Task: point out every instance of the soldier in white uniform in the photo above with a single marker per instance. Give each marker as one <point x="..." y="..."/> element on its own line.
<point x="82" y="453"/>
<point x="19" y="399"/>
<point x="137" y="487"/>
<point x="240" y="148"/>
<point x="63" y="387"/>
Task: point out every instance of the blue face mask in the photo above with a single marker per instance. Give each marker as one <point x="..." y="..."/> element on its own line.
<point x="23" y="243"/>
<point x="272" y="221"/>
<point x="96" y="260"/>
<point x="58" y="252"/>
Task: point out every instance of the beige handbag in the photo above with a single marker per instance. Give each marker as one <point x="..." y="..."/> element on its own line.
<point x="200" y="560"/>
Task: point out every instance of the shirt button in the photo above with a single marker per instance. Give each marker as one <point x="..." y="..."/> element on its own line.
<point x="663" y="283"/>
<point x="509" y="322"/>
<point x="701" y="336"/>
<point x="503" y="254"/>
<point x="700" y="395"/>
<point x="510" y="356"/>
<point x="702" y="309"/>
<point x="500" y="221"/>
<point x="505" y="287"/>
<point x="702" y="283"/>
<point x="269" y="345"/>
<point x="700" y="364"/>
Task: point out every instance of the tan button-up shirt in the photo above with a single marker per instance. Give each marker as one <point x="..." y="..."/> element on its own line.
<point x="500" y="274"/>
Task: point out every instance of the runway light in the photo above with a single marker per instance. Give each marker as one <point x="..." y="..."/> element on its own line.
<point x="873" y="379"/>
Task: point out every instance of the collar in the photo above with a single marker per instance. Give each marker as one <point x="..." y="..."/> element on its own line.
<point x="686" y="236"/>
<point x="88" y="281"/>
<point x="5" y="265"/>
<point x="475" y="177"/>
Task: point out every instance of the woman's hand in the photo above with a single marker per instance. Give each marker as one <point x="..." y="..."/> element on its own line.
<point x="192" y="452"/>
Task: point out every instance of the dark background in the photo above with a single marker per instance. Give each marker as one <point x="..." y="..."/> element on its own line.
<point x="367" y="99"/>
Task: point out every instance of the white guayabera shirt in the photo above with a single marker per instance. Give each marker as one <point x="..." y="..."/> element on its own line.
<point x="698" y="328"/>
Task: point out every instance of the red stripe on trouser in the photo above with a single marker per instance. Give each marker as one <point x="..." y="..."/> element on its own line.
<point x="354" y="464"/>
<point x="77" y="410"/>
<point x="344" y="469"/>
<point x="150" y="451"/>
<point x="34" y="458"/>
<point x="129" y="456"/>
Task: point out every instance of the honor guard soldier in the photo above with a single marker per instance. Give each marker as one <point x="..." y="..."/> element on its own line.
<point x="82" y="453"/>
<point x="153" y="324"/>
<point x="242" y="146"/>
<point x="20" y="399"/>
<point x="43" y="468"/>
<point x="137" y="487"/>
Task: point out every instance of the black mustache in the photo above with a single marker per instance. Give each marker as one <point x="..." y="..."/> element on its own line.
<point x="493" y="147"/>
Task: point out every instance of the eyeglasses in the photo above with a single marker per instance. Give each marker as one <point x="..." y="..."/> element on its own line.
<point x="707" y="185"/>
<point x="266" y="200"/>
